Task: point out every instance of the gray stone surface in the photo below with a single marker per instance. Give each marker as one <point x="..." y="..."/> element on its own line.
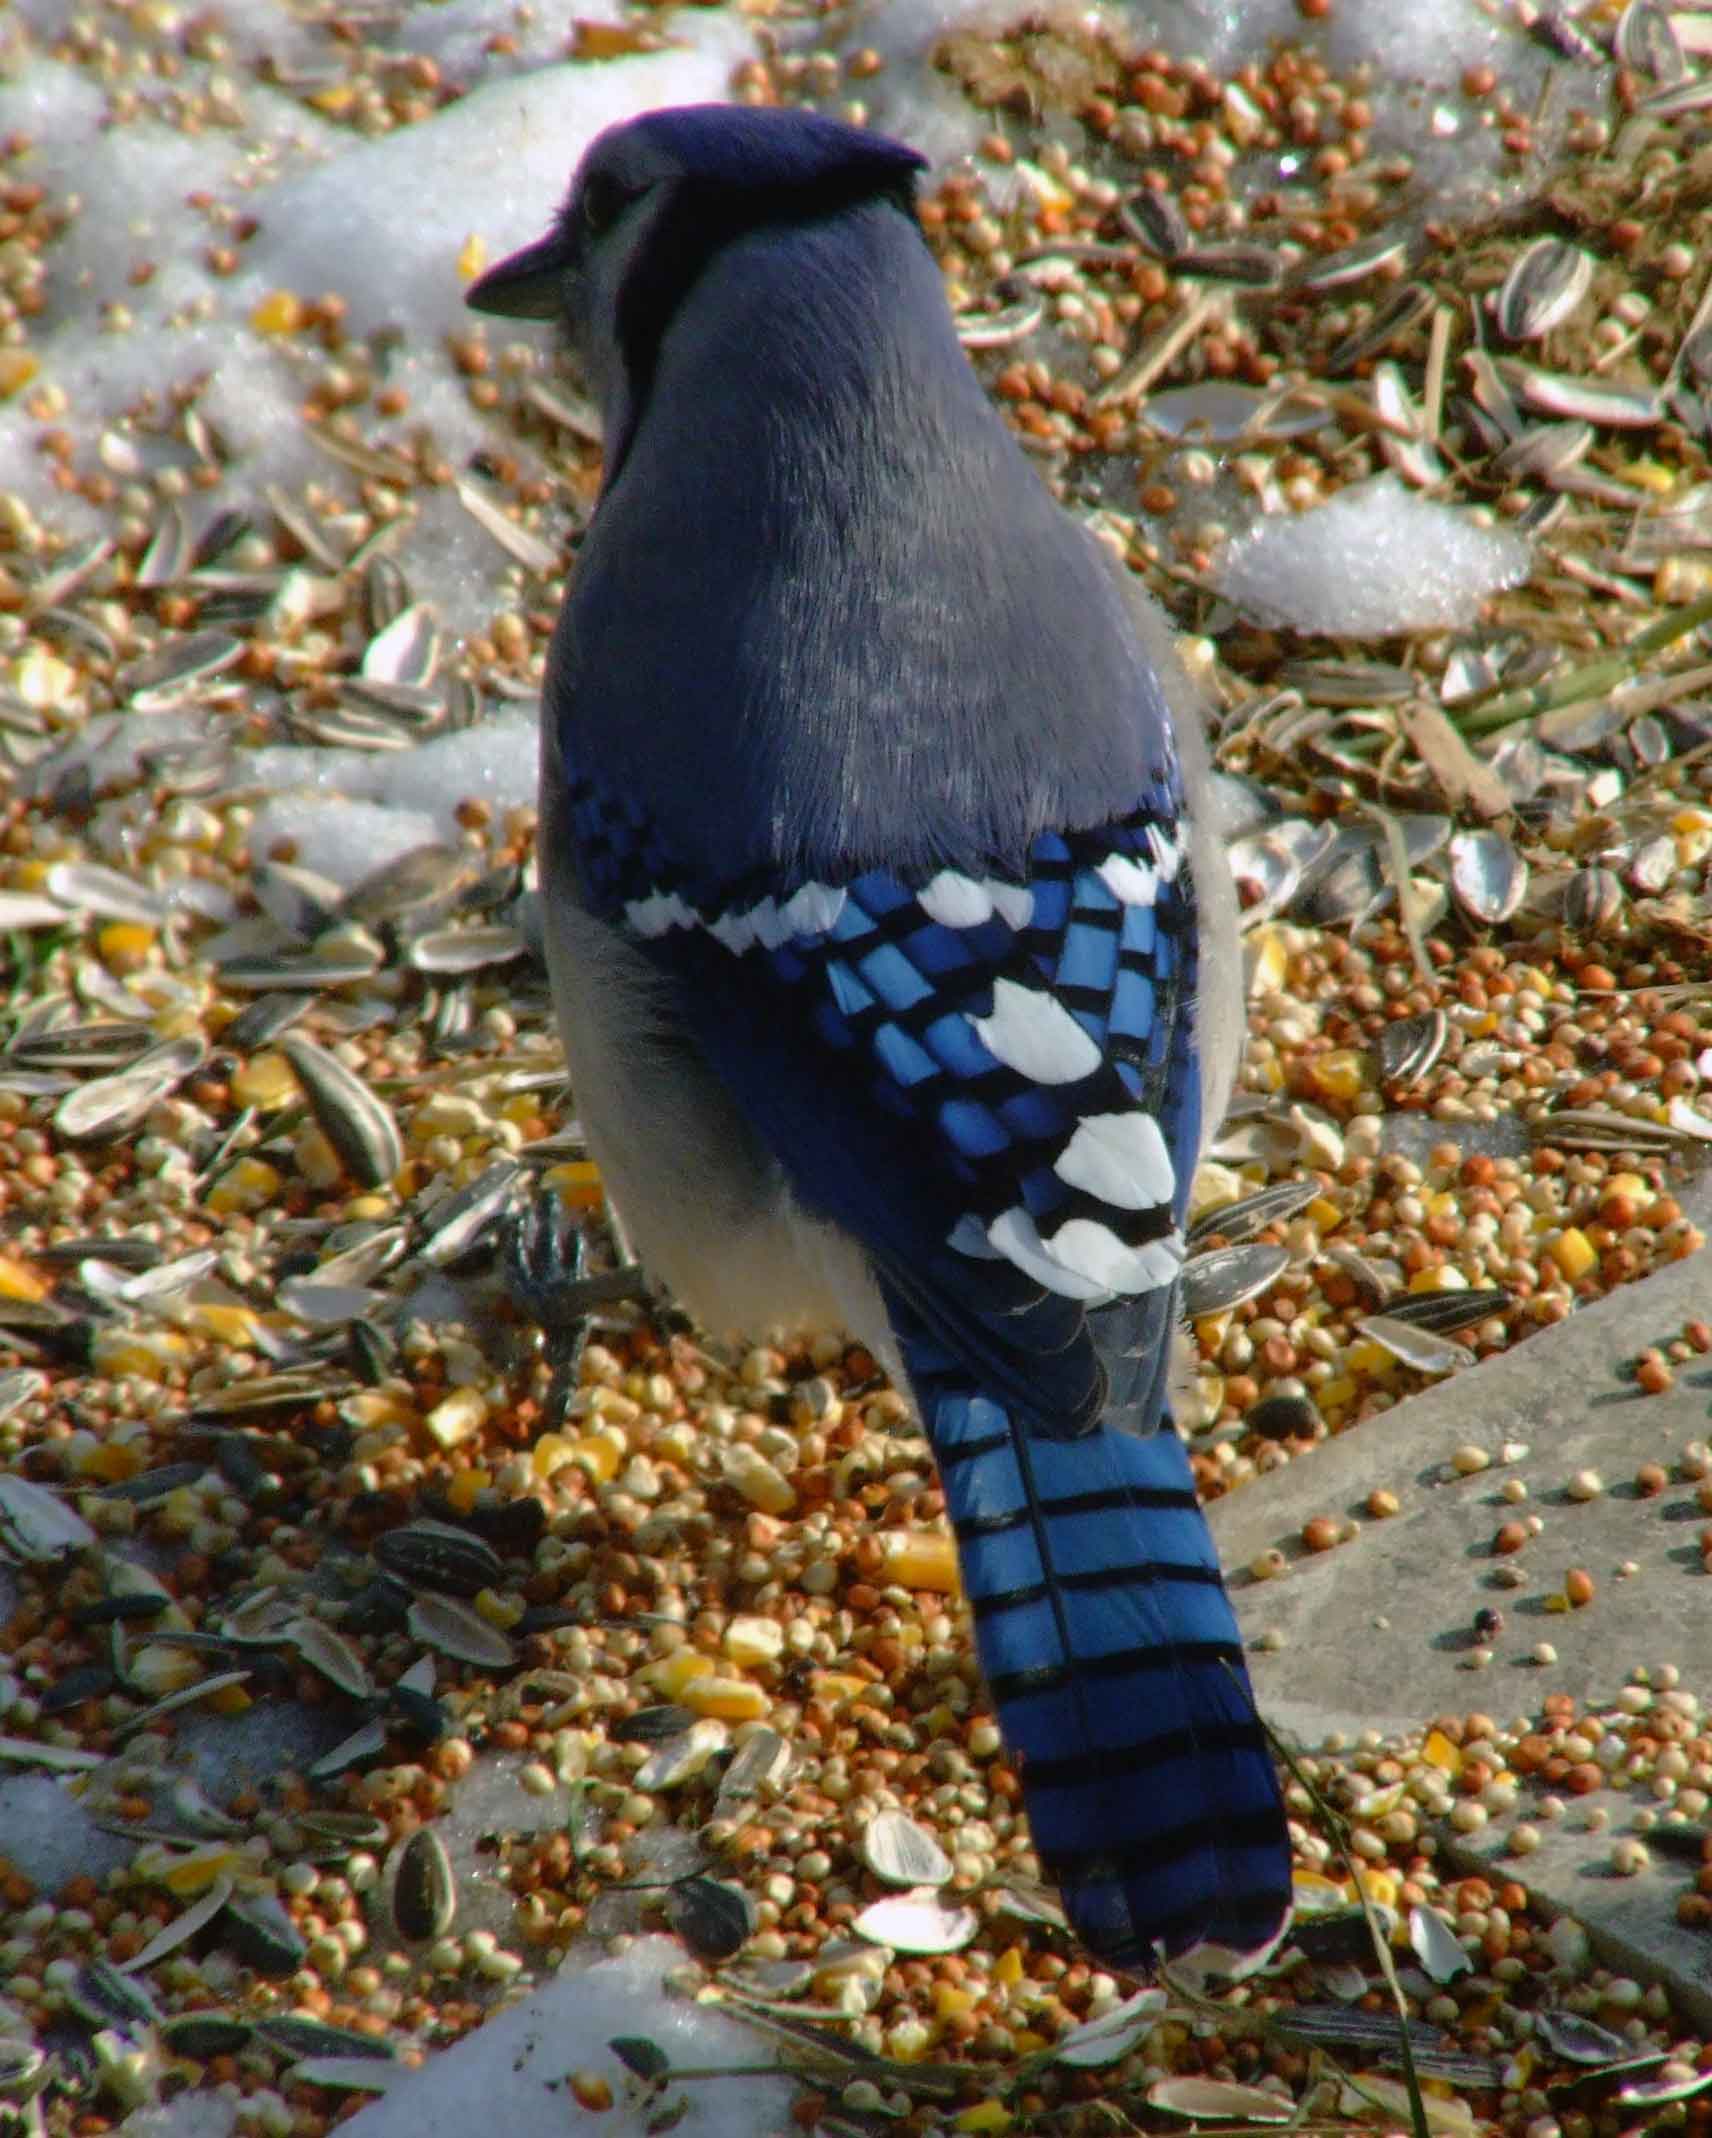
<point x="1378" y="1632"/>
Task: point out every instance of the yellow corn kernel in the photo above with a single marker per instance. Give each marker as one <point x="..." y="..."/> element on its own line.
<point x="1335" y="1393"/>
<point x="150" y="1354"/>
<point x="226" y="1323"/>
<point x="600" y="1453"/>
<point x="1573" y="1252"/>
<point x="1380" y="1887"/>
<point x="1366" y="1357"/>
<point x="472" y="257"/>
<point x="1649" y="474"/>
<point x="42" y="679"/>
<point x="19" y="1281"/>
<point x="265" y="1082"/>
<point x="1438" y="1751"/>
<point x="730" y="1699"/>
<point x="1008" y="1968"/>
<point x="247" y="1184"/>
<point x="316" y="1159"/>
<point x="673" y="1672"/>
<point x="1446" y="1278"/>
<point x="551" y="1452"/>
<point x="107" y="1462"/>
<point x="456" y="1417"/>
<point x="1633" y="1186"/>
<point x="949" y="2002"/>
<point x="279" y="312"/>
<point x="125" y="946"/>
<point x="986" y="2115"/>
<point x="751" y="1641"/>
<point x="362" y="1209"/>
<point x="371" y="1408"/>
<point x="1267" y="961"/>
<point x="921" y="1559"/>
<point x="17" y="368"/>
<point x="837" y="1689"/>
<point x="229" y="1700"/>
<point x="762" y="1484"/>
<point x="1028" y="2043"/>
<point x="466" y="1488"/>
<point x="500" y="1611"/>
<point x="1324" y="1213"/>
<point x="1344" y="1073"/>
<point x="578" y="1183"/>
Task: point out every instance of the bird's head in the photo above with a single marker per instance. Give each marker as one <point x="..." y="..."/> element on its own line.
<point x="655" y="199"/>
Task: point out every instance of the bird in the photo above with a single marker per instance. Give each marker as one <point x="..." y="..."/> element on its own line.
<point x="892" y="947"/>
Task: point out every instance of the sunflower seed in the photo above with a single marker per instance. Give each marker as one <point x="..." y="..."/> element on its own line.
<point x="1646" y="43"/>
<point x="330" y="1654"/>
<point x="25" y="910"/>
<point x="1419" y="1348"/>
<point x="1592" y="900"/>
<point x="83" y="1046"/>
<point x="1004" y="328"/>
<point x="425" y="879"/>
<point x="1385" y="250"/>
<point x="1227" y="1276"/>
<point x="714" y="1918"/>
<point x="435" y="1555"/>
<point x="86" y="887"/>
<point x="1250" y="266"/>
<point x="301" y="2034"/>
<point x="171" y="549"/>
<point x="527" y="549"/>
<point x="110" y="1105"/>
<point x="1592" y="400"/>
<point x="1578" y="2040"/>
<point x="1597" y="1128"/>
<point x="295" y="899"/>
<point x="203" y="2035"/>
<point x="1544" y="286"/>
<point x="366" y="1742"/>
<point x="1402" y="437"/>
<point x="457" y="1222"/>
<point x="1155" y="219"/>
<point x="465" y="950"/>
<point x="455" y="1630"/>
<point x="422" y="1892"/>
<point x="1544" y="452"/>
<point x="1405" y="1051"/>
<point x="359" y="1126"/>
<point x="1398" y="316"/>
<point x="262" y="1022"/>
<point x="1253" y="1213"/>
<point x="167" y="677"/>
<point x="1443" y="1313"/>
<point x="761" y="1763"/>
<point x="681" y="1757"/>
<point x="917" y="1922"/>
<point x="902" y="1853"/>
<point x="1218" y="2101"/>
<point x="1487" y="874"/>
<point x="36" y="1525"/>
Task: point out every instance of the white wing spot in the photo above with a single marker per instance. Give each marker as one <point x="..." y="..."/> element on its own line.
<point x="955" y="901"/>
<point x="1091" y="1251"/>
<point x="1121" y="1159"/>
<point x="1131" y="882"/>
<point x="812" y="910"/>
<point x="1167" y="851"/>
<point x="1013" y="1233"/>
<point x="1037" y="1037"/>
<point x="1013" y="903"/>
<point x="659" y="913"/>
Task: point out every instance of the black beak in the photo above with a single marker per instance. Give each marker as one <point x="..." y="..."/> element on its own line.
<point x="526" y="285"/>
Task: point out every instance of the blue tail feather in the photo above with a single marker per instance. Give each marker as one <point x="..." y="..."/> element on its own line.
<point x="1115" y="1664"/>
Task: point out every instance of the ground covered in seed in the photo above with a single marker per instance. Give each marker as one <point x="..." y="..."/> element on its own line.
<point x="367" y="1647"/>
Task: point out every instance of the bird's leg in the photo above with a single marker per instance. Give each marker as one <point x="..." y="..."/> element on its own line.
<point x="547" y="1276"/>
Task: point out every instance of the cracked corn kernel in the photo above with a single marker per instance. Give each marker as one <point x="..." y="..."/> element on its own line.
<point x="750" y="1641"/>
<point x="454" y="1419"/>
<point x="921" y="1559"/>
<point x="19" y="1281"/>
<point x="248" y="1184"/>
<point x="265" y="1082"/>
<point x="1573" y="1252"/>
<point x="279" y="312"/>
<point x="730" y="1699"/>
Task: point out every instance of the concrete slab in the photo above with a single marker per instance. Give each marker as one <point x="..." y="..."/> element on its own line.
<point x="1378" y="1633"/>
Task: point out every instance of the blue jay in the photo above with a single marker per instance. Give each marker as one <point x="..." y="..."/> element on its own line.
<point x="894" y="973"/>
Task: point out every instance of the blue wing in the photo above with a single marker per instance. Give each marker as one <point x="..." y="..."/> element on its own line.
<point x="990" y="1081"/>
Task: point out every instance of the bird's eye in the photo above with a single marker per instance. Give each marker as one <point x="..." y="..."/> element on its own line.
<point x="604" y="200"/>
